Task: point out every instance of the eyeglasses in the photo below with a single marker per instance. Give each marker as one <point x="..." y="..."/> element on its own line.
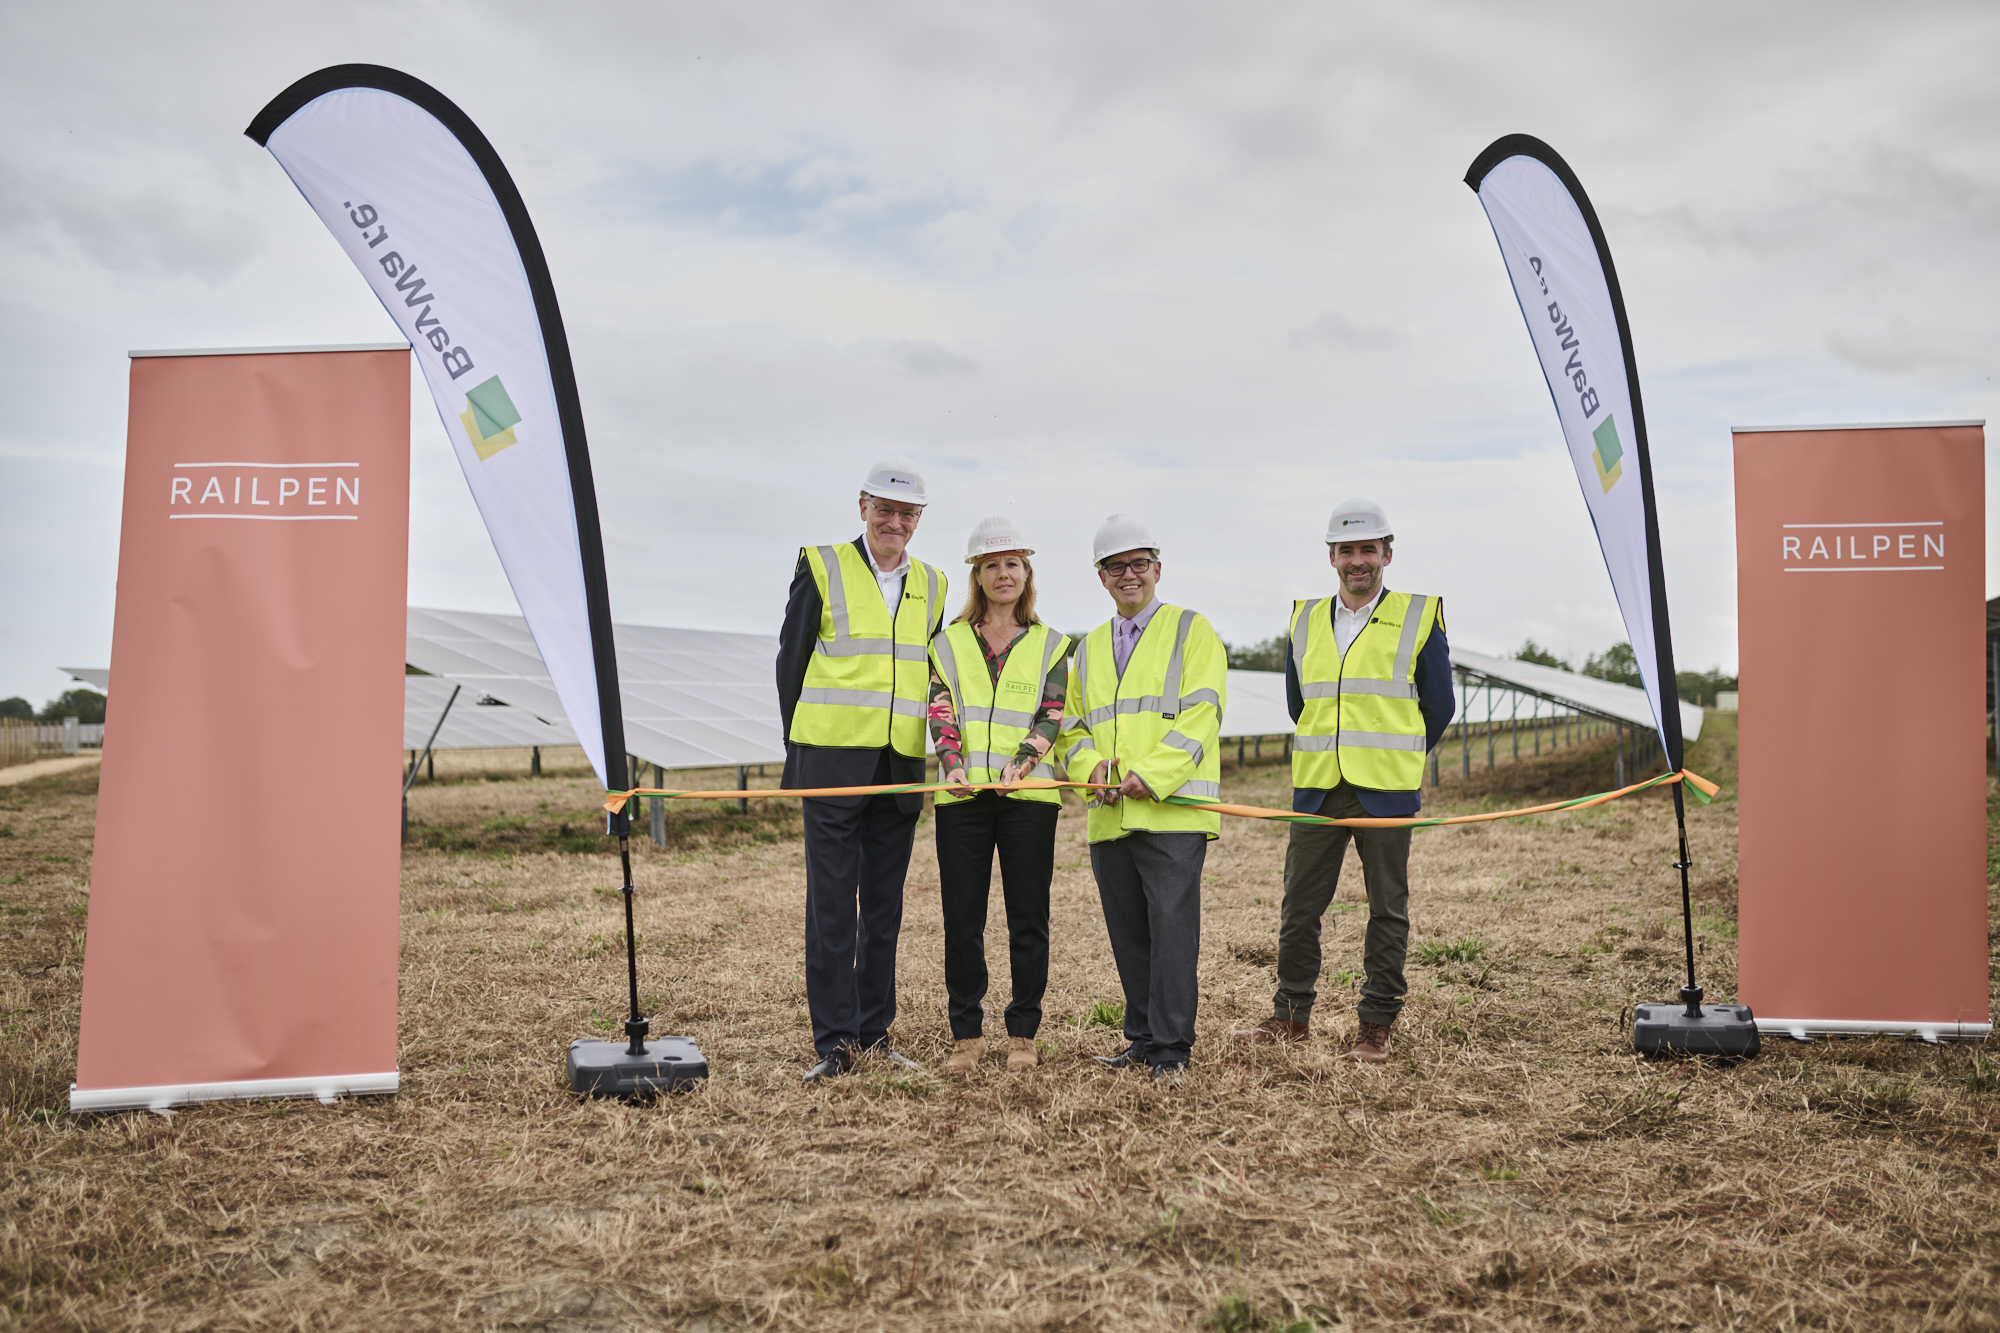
<point x="887" y="511"/>
<point x="1116" y="567"/>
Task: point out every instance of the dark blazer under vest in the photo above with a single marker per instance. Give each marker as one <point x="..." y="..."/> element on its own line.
<point x="828" y="765"/>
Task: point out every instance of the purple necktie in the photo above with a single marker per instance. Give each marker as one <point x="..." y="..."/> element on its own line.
<point x="1125" y="635"/>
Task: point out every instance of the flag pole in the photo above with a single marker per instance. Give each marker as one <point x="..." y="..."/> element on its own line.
<point x="636" y="1026"/>
<point x="1690" y="993"/>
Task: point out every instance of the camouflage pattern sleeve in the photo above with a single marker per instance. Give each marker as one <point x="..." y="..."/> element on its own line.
<point x="945" y="736"/>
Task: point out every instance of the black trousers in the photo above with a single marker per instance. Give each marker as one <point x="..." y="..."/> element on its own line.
<point x="856" y="857"/>
<point x="1150" y="886"/>
<point x="968" y="834"/>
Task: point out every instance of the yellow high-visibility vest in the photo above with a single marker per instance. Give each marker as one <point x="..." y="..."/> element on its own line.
<point x="1361" y="720"/>
<point x="868" y="681"/>
<point x="994" y="717"/>
<point x="1161" y="719"/>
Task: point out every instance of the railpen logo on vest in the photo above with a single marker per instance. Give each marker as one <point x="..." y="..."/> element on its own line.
<point x="489" y="418"/>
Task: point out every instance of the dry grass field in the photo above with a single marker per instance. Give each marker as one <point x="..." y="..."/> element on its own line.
<point x="1516" y="1166"/>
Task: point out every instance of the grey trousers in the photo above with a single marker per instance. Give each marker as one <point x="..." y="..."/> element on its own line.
<point x="1312" y="871"/>
<point x="1150" y="886"/>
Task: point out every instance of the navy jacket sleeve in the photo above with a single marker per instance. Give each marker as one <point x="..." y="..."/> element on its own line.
<point x="795" y="639"/>
<point x="1295" y="698"/>
<point x="1434" y="693"/>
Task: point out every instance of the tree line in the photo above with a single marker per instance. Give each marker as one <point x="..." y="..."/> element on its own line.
<point x="1616" y="663"/>
<point x="83" y="705"/>
<point x="1619" y="664"/>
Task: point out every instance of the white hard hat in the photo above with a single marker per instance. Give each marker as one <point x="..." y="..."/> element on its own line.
<point x="1121" y="532"/>
<point x="895" y="479"/>
<point x="992" y="536"/>
<point x="1358" y="520"/>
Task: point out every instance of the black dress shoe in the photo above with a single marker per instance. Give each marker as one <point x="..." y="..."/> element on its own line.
<point x="833" y="1066"/>
<point x="1125" y="1059"/>
<point x="892" y="1055"/>
<point x="1172" y="1075"/>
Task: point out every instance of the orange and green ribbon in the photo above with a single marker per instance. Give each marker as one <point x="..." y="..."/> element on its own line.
<point x="1703" y="790"/>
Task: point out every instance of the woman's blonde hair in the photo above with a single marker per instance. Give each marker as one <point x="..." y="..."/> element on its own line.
<point x="975" y="601"/>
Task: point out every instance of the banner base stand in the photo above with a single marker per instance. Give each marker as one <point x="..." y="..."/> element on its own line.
<point x="328" y="1088"/>
<point x="609" y="1069"/>
<point x="1718" y="1029"/>
<point x="1805" y="1029"/>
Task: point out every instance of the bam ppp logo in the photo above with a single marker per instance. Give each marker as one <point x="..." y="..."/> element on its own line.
<point x="489" y="418"/>
<point x="1605" y="456"/>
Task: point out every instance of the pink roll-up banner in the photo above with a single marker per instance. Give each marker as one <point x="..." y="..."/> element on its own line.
<point x="244" y="888"/>
<point x="1861" y="583"/>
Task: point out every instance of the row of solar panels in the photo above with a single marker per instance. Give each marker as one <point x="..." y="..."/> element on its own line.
<point x="706" y="698"/>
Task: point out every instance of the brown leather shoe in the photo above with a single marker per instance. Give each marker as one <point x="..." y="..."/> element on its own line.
<point x="965" y="1056"/>
<point x="1021" y="1054"/>
<point x="1372" y="1046"/>
<point x="1271" y="1031"/>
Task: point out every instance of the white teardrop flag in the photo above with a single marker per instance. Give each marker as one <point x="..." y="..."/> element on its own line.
<point x="418" y="199"/>
<point x="1561" y="269"/>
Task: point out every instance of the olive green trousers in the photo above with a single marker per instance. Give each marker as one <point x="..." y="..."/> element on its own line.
<point x="1312" y="872"/>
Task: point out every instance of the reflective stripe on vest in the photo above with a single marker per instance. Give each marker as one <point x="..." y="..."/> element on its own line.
<point x="1361" y="719"/>
<point x="867" y="683"/>
<point x="990" y="734"/>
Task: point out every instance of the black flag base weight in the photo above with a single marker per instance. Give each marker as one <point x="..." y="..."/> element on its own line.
<point x="1691" y="1027"/>
<point x="1694" y="1028"/>
<point x="639" y="1068"/>
<point x="611" y="1069"/>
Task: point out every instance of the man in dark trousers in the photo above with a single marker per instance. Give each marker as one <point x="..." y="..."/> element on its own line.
<point x="853" y="689"/>
<point x="1369" y="683"/>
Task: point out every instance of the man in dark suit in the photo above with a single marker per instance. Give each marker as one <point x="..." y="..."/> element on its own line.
<point x="853" y="681"/>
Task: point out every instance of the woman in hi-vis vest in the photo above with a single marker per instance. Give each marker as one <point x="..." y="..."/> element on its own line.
<point x="998" y="676"/>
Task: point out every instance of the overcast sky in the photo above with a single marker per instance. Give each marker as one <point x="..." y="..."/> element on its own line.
<point x="1210" y="264"/>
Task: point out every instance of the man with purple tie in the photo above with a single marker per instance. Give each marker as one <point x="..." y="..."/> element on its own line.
<point x="1144" y="712"/>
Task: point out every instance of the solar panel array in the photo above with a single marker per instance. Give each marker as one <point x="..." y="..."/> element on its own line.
<point x="692" y="698"/>
<point x="1256" y="705"/>
<point x="707" y="698"/>
<point x="1603" y="698"/>
<point x="475" y="722"/>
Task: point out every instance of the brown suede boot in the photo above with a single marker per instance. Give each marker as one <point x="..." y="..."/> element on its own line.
<point x="1271" y="1031"/>
<point x="1021" y="1054"/>
<point x="965" y="1056"/>
<point x="1372" y="1046"/>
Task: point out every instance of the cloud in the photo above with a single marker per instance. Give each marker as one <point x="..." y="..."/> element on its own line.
<point x="1334" y="329"/>
<point x="1219" y="267"/>
<point x="1904" y="350"/>
<point x="927" y="359"/>
<point x="154" y="232"/>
